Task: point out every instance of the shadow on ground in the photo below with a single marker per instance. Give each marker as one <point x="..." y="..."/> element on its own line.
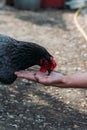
<point x="19" y="110"/>
<point x="49" y="18"/>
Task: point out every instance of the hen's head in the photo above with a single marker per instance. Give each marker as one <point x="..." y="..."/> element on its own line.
<point x="47" y="63"/>
<point x="40" y="56"/>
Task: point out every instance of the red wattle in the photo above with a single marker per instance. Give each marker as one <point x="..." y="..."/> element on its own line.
<point x="43" y="69"/>
<point x="53" y="63"/>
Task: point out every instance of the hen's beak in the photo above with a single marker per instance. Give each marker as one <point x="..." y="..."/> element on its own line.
<point x="49" y="71"/>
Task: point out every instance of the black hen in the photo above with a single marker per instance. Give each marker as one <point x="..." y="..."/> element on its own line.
<point x="18" y="55"/>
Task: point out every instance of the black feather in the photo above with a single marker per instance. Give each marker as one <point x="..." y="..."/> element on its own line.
<point x="18" y="55"/>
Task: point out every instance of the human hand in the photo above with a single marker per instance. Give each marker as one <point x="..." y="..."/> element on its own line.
<point x="54" y="79"/>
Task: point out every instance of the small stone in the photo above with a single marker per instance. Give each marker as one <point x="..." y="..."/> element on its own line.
<point x="14" y="125"/>
<point x="25" y="80"/>
<point x="75" y="126"/>
<point x="12" y="95"/>
<point x="26" y="103"/>
<point x="11" y="116"/>
<point x="21" y="115"/>
<point x="84" y="46"/>
<point x="24" y="117"/>
<point x="67" y="102"/>
<point x="57" y="52"/>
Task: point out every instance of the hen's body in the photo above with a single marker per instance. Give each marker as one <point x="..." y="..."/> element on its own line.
<point x="17" y="55"/>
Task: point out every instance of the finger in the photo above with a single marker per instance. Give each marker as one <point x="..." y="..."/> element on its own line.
<point x="26" y="74"/>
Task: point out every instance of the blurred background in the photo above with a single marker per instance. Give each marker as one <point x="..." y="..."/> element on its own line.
<point x="37" y="4"/>
<point x="27" y="105"/>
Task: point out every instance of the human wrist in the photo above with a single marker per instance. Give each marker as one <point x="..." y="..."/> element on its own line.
<point x="67" y="81"/>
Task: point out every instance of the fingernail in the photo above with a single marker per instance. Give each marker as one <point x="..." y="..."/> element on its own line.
<point x="17" y="73"/>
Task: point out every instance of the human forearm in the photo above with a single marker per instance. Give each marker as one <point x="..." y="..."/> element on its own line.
<point x="75" y="81"/>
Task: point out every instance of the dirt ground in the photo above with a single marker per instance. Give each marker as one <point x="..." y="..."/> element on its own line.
<point x="26" y="105"/>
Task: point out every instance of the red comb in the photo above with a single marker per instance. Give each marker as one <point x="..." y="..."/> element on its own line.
<point x="53" y="63"/>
